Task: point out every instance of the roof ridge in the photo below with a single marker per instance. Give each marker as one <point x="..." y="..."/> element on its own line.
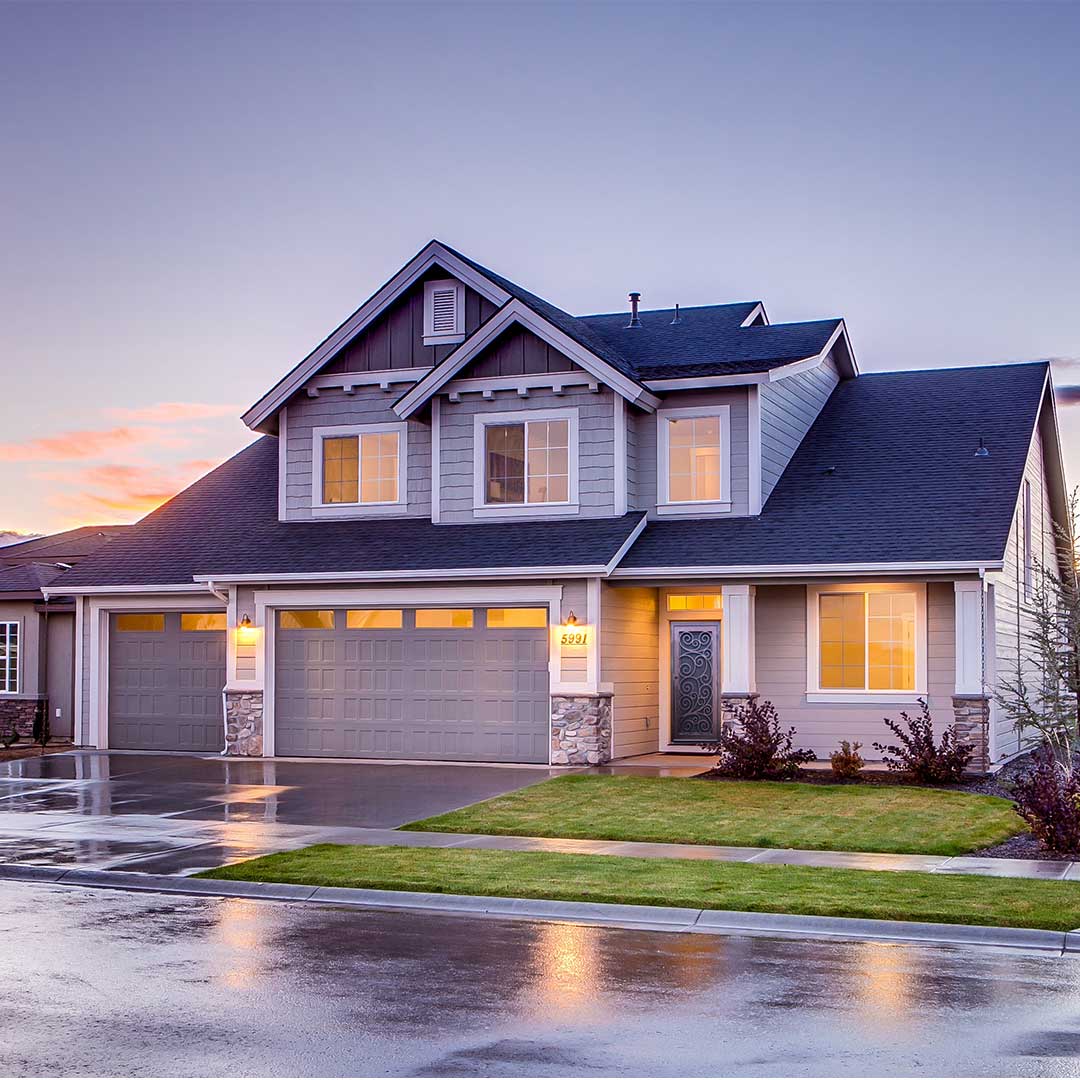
<point x="958" y="367"/>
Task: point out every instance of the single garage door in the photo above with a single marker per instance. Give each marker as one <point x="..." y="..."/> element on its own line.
<point x="166" y="674"/>
<point x="466" y="684"/>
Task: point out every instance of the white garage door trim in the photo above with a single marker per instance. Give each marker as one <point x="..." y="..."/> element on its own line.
<point x="269" y="602"/>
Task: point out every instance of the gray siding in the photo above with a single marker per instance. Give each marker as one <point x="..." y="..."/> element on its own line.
<point x="596" y="453"/>
<point x="396" y="338"/>
<point x="629" y="661"/>
<point x="641" y="446"/>
<point x="367" y="405"/>
<point x="781" y="671"/>
<point x="788" y="408"/>
<point x="1012" y="620"/>
<point x="60" y="673"/>
<point x="518" y="352"/>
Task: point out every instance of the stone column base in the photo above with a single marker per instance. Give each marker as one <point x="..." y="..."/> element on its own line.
<point x="971" y="724"/>
<point x="244" y="723"/>
<point x="580" y="729"/>
<point x="20" y="714"/>
<point x="729" y="703"/>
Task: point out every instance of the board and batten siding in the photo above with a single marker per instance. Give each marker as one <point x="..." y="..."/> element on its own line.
<point x="780" y="618"/>
<point x="788" y="408"/>
<point x="641" y="447"/>
<point x="333" y="408"/>
<point x="596" y="447"/>
<point x="1013" y="622"/>
<point x="396" y="338"/>
<point x="629" y="662"/>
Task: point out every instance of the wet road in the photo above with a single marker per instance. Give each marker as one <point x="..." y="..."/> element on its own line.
<point x="105" y="983"/>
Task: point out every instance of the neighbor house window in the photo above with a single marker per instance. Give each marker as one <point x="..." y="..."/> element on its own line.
<point x="360" y="466"/>
<point x="9" y="657"/>
<point x="694" y="457"/>
<point x="527" y="461"/>
<point x="868" y="640"/>
<point x="306" y="620"/>
<point x="444" y="312"/>
<point x="444" y="618"/>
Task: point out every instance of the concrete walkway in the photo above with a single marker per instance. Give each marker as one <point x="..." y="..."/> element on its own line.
<point x="844" y="860"/>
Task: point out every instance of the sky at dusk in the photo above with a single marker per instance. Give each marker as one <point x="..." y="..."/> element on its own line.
<point x="194" y="194"/>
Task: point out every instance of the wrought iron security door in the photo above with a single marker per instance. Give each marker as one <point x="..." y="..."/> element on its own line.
<point x="695" y="681"/>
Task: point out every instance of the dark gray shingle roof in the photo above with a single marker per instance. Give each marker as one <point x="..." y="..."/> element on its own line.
<point x="907" y="485"/>
<point x="27" y="577"/>
<point x="226" y="523"/>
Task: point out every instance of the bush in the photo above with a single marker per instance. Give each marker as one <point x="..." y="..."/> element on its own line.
<point x="755" y="748"/>
<point x="918" y="754"/>
<point x="1046" y="798"/>
<point x="847" y="762"/>
<point x="9" y="738"/>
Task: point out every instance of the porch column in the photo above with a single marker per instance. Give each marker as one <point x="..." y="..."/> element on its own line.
<point x="737" y="676"/>
<point x="971" y="703"/>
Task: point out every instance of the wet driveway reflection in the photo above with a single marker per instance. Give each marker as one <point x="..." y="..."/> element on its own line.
<point x="183" y="986"/>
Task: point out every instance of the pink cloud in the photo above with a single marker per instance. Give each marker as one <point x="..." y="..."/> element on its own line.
<point x="173" y="412"/>
<point x="71" y="445"/>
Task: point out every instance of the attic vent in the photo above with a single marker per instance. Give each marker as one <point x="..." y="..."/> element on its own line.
<point x="444" y="312"/>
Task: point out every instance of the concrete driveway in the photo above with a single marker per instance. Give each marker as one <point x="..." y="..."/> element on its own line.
<point x="165" y="813"/>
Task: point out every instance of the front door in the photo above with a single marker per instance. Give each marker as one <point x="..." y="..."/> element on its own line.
<point x="695" y="682"/>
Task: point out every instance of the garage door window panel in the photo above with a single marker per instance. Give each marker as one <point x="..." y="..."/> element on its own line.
<point x="306" y="620"/>
<point x="143" y="623"/>
<point x="202" y="622"/>
<point x="444" y="618"/>
<point x="374" y="619"/>
<point x="516" y="618"/>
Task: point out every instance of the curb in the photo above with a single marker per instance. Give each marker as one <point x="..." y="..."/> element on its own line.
<point x="631" y="916"/>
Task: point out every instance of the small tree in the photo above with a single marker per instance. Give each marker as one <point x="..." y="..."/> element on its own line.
<point x="755" y="746"/>
<point x="1042" y="695"/>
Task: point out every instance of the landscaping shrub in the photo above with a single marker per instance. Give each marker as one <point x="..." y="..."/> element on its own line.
<point x="1047" y="799"/>
<point x="847" y="762"/>
<point x="755" y="747"/>
<point x="927" y="761"/>
<point x="9" y="737"/>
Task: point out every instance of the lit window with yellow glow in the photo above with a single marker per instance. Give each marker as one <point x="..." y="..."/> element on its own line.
<point x="867" y="640"/>
<point x="694" y="459"/>
<point x="360" y="468"/>
<point x="306" y="620"/>
<point x="202" y="621"/>
<point x="695" y="602"/>
<point x="444" y="618"/>
<point x="374" y="619"/>
<point x="520" y="618"/>
<point x="141" y="624"/>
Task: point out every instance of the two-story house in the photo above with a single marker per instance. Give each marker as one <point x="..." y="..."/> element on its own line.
<point x="478" y="528"/>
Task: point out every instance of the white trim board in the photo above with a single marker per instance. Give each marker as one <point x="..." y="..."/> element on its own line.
<point x="517" y="312"/>
<point x="680" y="573"/>
<point x="432" y="254"/>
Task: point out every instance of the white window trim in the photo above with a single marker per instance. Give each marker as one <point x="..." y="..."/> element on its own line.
<point x="526" y="509"/>
<point x="4" y="624"/>
<point x="358" y="509"/>
<point x="458" y="334"/>
<point x="664" y="505"/>
<point x="816" y="695"/>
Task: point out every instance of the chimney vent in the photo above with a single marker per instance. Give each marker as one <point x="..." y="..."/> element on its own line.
<point x="635" y="298"/>
<point x="676" y="317"/>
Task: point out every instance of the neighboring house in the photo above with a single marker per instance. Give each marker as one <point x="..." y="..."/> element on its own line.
<point x="37" y="636"/>
<point x="479" y="528"/>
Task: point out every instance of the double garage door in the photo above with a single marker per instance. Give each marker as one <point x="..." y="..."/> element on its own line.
<point x="467" y="684"/>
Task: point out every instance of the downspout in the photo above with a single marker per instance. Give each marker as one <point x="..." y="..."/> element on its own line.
<point x="224" y="598"/>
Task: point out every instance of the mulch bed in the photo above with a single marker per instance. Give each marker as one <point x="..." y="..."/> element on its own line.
<point x="23" y="750"/>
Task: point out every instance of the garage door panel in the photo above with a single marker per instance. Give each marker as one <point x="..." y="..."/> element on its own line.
<point x="165" y="687"/>
<point x="461" y="693"/>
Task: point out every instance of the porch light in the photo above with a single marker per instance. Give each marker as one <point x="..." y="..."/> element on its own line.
<point x="571" y="620"/>
<point x="246" y="632"/>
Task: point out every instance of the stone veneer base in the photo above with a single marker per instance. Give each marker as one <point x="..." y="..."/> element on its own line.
<point x="244" y="723"/>
<point x="20" y="713"/>
<point x="580" y="729"/>
<point x="971" y="724"/>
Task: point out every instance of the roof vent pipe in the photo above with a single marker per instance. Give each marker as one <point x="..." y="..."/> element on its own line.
<point x="635" y="298"/>
<point x="676" y="317"/>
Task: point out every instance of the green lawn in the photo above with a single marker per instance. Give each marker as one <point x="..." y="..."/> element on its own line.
<point x="1049" y="905"/>
<point x="836" y="817"/>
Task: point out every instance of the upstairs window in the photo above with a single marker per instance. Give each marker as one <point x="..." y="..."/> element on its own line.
<point x="444" y="312"/>
<point x="360" y="466"/>
<point x="694" y="459"/>
<point x="528" y="461"/>
<point x="9" y="657"/>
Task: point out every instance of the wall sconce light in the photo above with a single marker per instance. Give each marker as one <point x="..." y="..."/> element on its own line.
<point x="246" y="632"/>
<point x="571" y="619"/>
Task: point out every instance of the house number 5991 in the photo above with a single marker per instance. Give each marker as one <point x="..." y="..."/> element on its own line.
<point x="574" y="637"/>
